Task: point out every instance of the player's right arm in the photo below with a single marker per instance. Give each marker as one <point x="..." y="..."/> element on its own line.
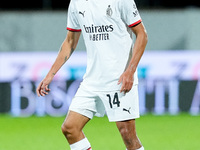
<point x="67" y="48"/>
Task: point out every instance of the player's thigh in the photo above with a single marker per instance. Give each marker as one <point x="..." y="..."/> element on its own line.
<point x="75" y="120"/>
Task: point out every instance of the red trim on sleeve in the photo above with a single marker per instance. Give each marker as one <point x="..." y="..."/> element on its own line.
<point x="74" y="30"/>
<point x="136" y="23"/>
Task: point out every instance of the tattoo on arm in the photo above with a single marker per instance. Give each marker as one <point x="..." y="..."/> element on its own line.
<point x="72" y="50"/>
<point x="67" y="57"/>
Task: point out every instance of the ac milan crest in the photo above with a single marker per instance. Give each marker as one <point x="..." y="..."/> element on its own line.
<point x="109" y="11"/>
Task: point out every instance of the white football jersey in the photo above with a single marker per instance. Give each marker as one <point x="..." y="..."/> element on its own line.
<point x="105" y="25"/>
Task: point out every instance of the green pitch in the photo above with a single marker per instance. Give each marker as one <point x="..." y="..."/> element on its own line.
<point x="180" y="132"/>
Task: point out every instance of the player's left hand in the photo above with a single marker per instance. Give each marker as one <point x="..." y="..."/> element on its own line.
<point x="126" y="79"/>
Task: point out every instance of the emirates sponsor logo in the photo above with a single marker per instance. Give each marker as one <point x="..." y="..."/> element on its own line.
<point x="99" y="33"/>
<point x="98" y="29"/>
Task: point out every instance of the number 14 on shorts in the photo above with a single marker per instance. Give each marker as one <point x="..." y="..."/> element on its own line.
<point x="113" y="100"/>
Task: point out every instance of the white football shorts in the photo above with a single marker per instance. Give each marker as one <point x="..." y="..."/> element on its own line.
<point x="118" y="106"/>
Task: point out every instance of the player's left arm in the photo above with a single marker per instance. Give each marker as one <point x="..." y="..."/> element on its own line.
<point x="127" y="78"/>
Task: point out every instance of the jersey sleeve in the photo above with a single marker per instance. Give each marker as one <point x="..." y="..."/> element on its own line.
<point x="129" y="13"/>
<point x="72" y="21"/>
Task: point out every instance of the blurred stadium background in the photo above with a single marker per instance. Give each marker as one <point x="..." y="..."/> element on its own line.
<point x="31" y="33"/>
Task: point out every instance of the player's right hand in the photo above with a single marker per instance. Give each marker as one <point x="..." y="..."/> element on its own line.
<point x="43" y="88"/>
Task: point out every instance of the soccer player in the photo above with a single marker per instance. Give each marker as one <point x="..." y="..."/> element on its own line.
<point x="110" y="82"/>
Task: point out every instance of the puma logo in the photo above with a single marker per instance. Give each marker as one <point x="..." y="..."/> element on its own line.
<point x="124" y="109"/>
<point x="82" y="13"/>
